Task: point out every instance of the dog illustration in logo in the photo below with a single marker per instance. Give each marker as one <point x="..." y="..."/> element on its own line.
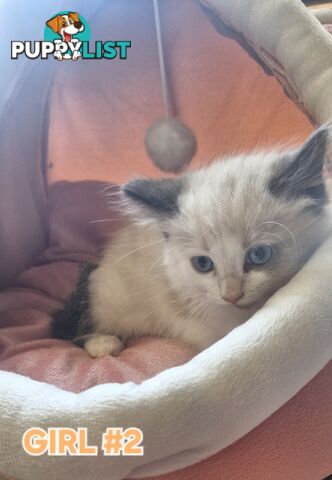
<point x="66" y="26"/>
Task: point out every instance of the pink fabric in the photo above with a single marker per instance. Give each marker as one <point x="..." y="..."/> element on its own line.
<point x="25" y="310"/>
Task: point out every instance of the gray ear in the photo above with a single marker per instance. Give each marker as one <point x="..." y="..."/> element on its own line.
<point x="159" y="196"/>
<point x="300" y="174"/>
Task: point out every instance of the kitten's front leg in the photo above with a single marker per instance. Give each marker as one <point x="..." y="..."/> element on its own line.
<point x="98" y="345"/>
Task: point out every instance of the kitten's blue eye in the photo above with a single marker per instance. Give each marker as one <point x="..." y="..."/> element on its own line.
<point x="259" y="255"/>
<point x="202" y="264"/>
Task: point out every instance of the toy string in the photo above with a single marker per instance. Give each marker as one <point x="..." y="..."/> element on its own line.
<point x="163" y="75"/>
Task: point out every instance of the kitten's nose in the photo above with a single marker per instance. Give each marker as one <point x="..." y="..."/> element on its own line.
<point x="233" y="298"/>
<point x="231" y="289"/>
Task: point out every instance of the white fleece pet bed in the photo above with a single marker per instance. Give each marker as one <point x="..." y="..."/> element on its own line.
<point x="190" y="412"/>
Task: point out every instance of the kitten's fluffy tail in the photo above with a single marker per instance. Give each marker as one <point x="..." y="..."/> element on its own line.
<point x="72" y="321"/>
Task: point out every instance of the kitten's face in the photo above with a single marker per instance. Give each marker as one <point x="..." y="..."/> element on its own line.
<point x="239" y="229"/>
<point x="232" y="240"/>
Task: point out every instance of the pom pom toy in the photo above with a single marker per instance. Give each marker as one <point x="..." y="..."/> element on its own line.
<point x="170" y="144"/>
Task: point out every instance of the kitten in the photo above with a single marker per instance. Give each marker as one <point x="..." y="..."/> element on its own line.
<point x="204" y="251"/>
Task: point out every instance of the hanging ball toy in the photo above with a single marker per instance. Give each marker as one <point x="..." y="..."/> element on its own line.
<point x="169" y="142"/>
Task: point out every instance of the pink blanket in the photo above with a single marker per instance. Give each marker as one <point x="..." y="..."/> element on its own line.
<point x="75" y="234"/>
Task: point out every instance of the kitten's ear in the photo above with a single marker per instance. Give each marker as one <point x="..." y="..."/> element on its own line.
<point x="300" y="174"/>
<point x="151" y="198"/>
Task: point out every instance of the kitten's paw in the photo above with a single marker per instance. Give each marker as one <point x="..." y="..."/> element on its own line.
<point x="100" y="345"/>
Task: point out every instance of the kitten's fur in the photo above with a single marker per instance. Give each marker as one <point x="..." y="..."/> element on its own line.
<point x="145" y="283"/>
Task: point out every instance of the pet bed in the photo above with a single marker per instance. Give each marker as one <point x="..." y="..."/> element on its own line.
<point x="206" y="402"/>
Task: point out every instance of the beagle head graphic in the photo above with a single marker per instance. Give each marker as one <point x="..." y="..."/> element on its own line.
<point x="66" y="25"/>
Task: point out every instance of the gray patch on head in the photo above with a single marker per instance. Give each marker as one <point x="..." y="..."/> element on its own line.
<point x="159" y="195"/>
<point x="300" y="174"/>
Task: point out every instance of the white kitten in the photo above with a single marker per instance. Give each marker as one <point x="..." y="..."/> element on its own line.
<point x="205" y="250"/>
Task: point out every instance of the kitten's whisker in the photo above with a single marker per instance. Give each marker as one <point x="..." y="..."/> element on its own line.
<point x="178" y="237"/>
<point x="187" y="305"/>
<point x="284" y="227"/>
<point x="113" y="194"/>
<point x="194" y="310"/>
<point x="152" y="266"/>
<point x="201" y="310"/>
<point x="270" y="234"/>
<point x="150" y="313"/>
<point x="207" y="313"/>
<point x="105" y="220"/>
<point x="252" y="221"/>
<point x="139" y="248"/>
<point x="105" y="189"/>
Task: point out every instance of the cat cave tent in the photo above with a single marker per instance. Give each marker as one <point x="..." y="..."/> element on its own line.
<point x="265" y="386"/>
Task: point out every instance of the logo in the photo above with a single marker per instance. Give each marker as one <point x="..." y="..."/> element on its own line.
<point x="67" y="37"/>
<point x="66" y="30"/>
